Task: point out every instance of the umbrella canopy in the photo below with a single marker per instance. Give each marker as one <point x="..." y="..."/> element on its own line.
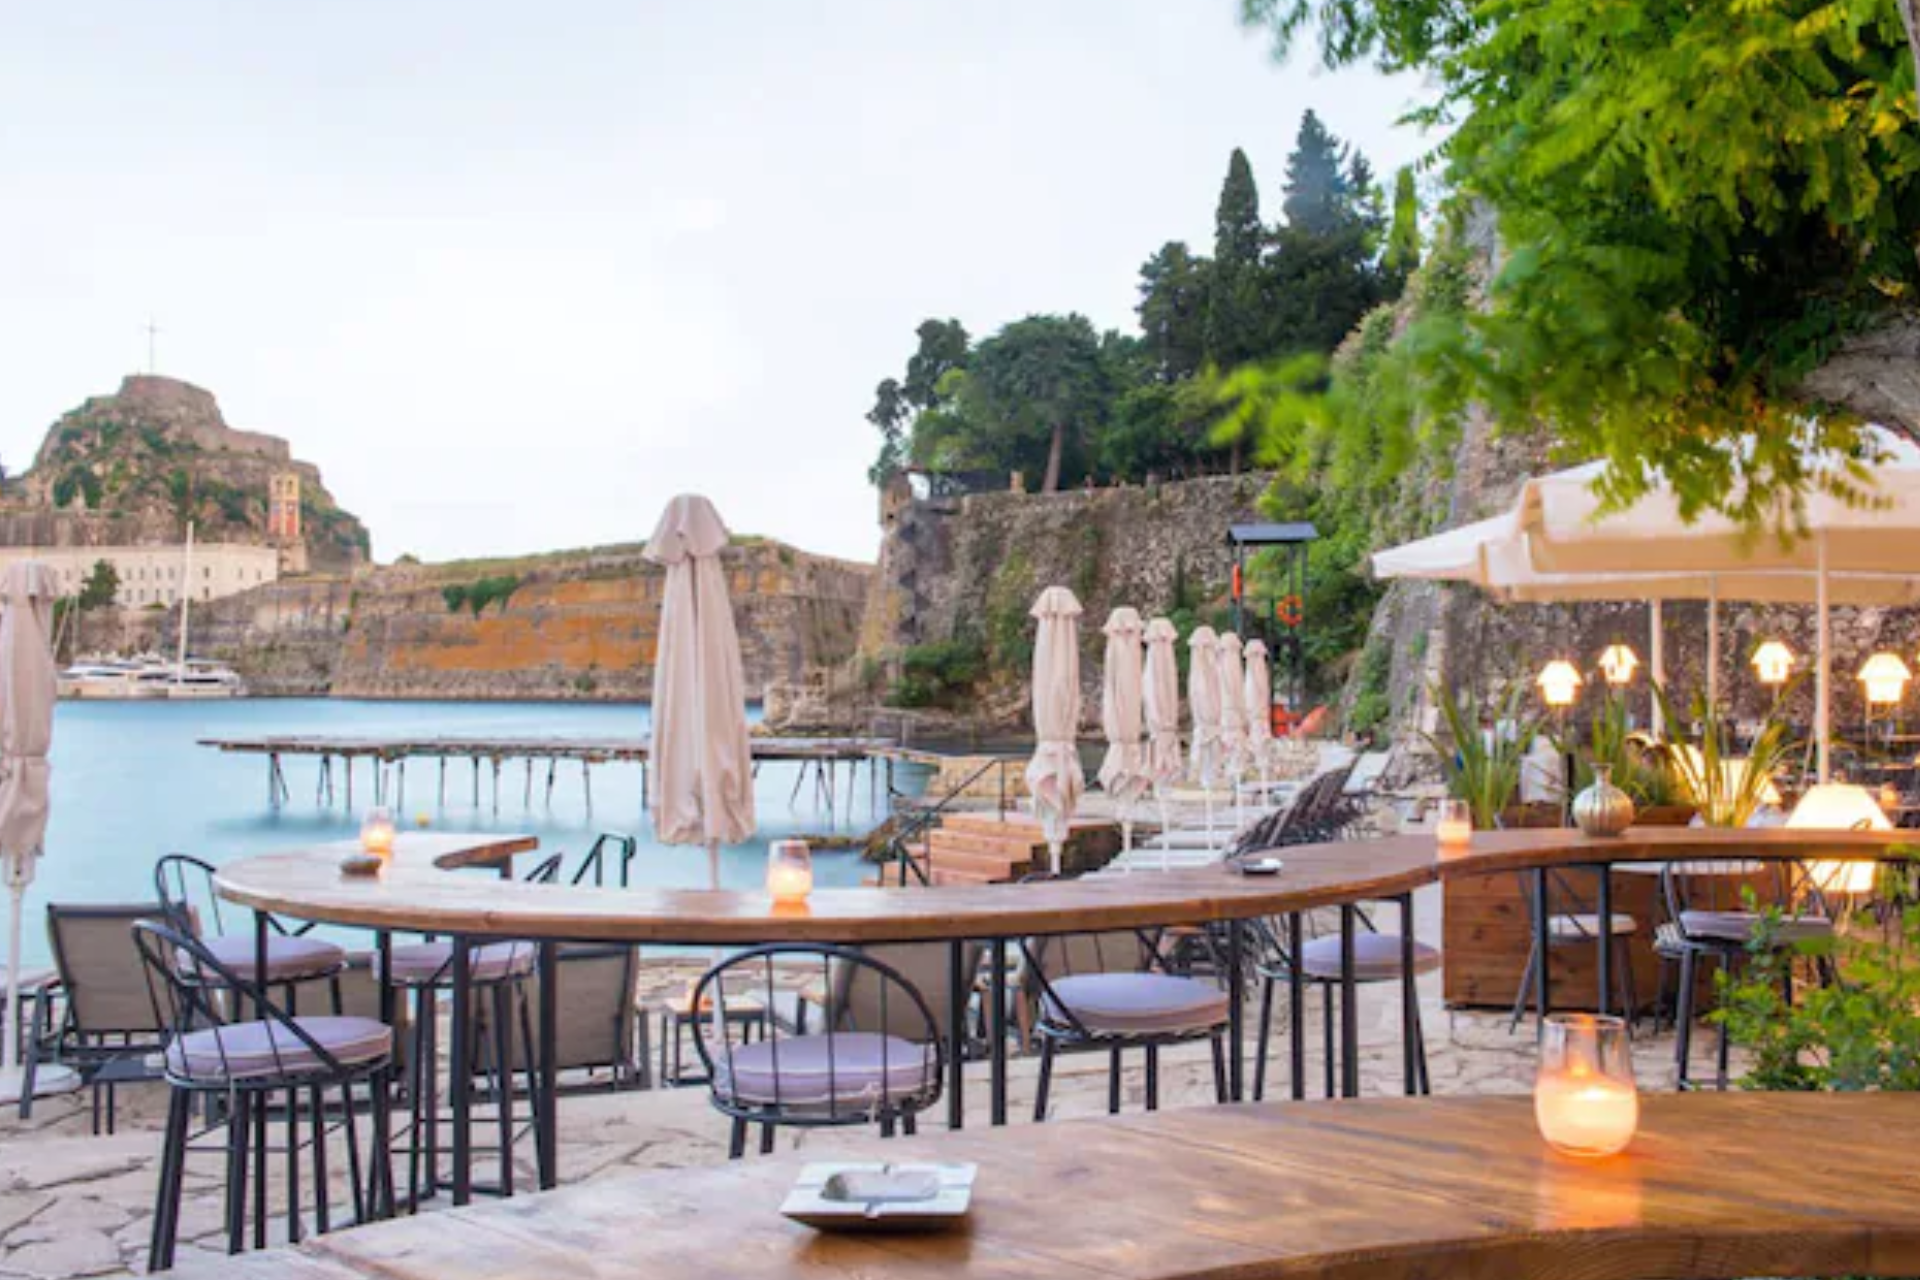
<point x="703" y="768"/>
<point x="1257" y="697"/>
<point x="1053" y="775"/>
<point x="27" y="687"/>
<point x="1123" y="773"/>
<point x="1231" y="674"/>
<point x="1162" y="699"/>
<point x="1203" y="703"/>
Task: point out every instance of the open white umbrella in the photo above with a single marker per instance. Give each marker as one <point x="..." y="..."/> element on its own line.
<point x="1054" y="779"/>
<point x="703" y="767"/>
<point x="1203" y="704"/>
<point x="27" y="688"/>
<point x="1233" y="717"/>
<point x="1162" y="699"/>
<point x="1257" y="697"/>
<point x="1123" y="772"/>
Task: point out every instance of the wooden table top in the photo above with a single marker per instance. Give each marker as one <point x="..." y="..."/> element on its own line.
<point x="415" y="893"/>
<point x="1715" y="1186"/>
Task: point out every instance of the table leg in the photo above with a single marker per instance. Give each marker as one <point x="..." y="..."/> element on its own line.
<point x="547" y="1097"/>
<point x="1541" y="948"/>
<point x="1409" y="998"/>
<point x="1349" y="1010"/>
<point x="1236" y="1015"/>
<point x="997" y="993"/>
<point x="958" y="985"/>
<point x="1296" y="1001"/>
<point x="460" y="1072"/>
<point x="1605" y="904"/>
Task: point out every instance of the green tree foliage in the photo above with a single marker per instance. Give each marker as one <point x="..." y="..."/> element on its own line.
<point x="1402" y="255"/>
<point x="943" y="348"/>
<point x="1698" y="202"/>
<point x="1035" y="395"/>
<point x="102" y="584"/>
<point x="477" y="595"/>
<point x="1173" y="311"/>
<point x="1237" y="316"/>
<point x="941" y="674"/>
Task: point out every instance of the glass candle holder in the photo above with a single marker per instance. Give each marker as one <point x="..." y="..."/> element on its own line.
<point x="376" y="833"/>
<point x="1455" y="828"/>
<point x="789" y="871"/>
<point x="1584" y="1097"/>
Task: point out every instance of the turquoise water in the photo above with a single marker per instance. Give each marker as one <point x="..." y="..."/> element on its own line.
<point x="130" y="785"/>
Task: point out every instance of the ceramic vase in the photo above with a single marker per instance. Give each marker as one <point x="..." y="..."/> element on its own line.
<point x="1603" y="809"/>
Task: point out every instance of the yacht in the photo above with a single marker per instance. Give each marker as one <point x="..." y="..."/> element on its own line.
<point x="111" y="678"/>
<point x="196" y="678"/>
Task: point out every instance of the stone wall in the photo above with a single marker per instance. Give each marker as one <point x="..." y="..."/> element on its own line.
<point x="579" y="626"/>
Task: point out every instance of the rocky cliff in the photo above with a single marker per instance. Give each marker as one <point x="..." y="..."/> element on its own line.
<point x="135" y="466"/>
<point x="573" y="625"/>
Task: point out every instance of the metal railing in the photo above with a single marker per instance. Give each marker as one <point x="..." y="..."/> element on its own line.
<point x="922" y="820"/>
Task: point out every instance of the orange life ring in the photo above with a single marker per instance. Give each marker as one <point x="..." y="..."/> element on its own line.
<point x="1291" y="611"/>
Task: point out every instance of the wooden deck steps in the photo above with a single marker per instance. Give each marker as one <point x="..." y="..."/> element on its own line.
<point x="991" y="848"/>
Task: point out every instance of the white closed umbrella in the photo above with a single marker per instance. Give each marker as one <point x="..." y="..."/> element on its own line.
<point x="1123" y="771"/>
<point x="703" y="766"/>
<point x="1257" y="697"/>
<point x="1232" y="676"/>
<point x="27" y="689"/>
<point x="1054" y="779"/>
<point x="1203" y="705"/>
<point x="1161" y="698"/>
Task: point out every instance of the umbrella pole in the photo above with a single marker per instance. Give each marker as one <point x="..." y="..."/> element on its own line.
<point x="713" y="864"/>
<point x="1657" y="649"/>
<point x="1166" y="828"/>
<point x="1823" y="676"/>
<point x="1713" y="644"/>
<point x="1053" y="855"/>
<point x="10" y="1055"/>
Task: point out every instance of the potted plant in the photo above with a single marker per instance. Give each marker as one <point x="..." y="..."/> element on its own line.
<point x="1483" y="751"/>
<point x="1726" y="787"/>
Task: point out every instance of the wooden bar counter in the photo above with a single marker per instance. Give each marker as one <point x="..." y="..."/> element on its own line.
<point x="1715" y="1186"/>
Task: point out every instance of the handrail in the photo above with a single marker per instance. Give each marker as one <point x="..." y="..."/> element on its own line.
<point x="923" y="819"/>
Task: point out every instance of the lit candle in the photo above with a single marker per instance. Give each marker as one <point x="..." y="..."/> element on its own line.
<point x="1455" y="828"/>
<point x="376" y="833"/>
<point x="789" y="871"/>
<point x="1583" y="1097"/>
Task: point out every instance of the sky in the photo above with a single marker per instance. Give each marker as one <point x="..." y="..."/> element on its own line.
<point x="513" y="275"/>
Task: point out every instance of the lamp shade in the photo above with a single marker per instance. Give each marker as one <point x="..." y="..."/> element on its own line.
<point x="1885" y="678"/>
<point x="1773" y="662"/>
<point x="1559" y="683"/>
<point x="1618" y="662"/>
<point x="1840" y="806"/>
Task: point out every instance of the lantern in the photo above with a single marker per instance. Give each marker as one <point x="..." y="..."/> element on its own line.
<point x="1454" y="830"/>
<point x="1773" y="662"/>
<point x="1885" y="679"/>
<point x="1617" y="664"/>
<point x="789" y="871"/>
<point x="1584" y="1098"/>
<point x="1559" y="683"/>
<point x="1840" y="806"/>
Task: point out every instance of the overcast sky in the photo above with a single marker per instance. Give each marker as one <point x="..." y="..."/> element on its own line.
<point x="513" y="274"/>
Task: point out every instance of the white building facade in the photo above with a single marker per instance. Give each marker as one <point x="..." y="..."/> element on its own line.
<point x="156" y="576"/>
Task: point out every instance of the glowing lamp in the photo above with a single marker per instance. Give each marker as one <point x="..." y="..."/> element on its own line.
<point x="1885" y="679"/>
<point x="376" y="833"/>
<point x="1617" y="664"/>
<point x="1559" y="683"/>
<point x="789" y="871"/>
<point x="1455" y="827"/>
<point x="1840" y="806"/>
<point x="1773" y="662"/>
<point x="1584" y="1098"/>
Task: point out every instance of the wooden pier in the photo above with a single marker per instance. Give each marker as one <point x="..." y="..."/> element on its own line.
<point x="387" y="757"/>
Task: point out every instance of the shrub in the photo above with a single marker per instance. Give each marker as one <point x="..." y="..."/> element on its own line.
<point x="938" y="675"/>
<point x="477" y="595"/>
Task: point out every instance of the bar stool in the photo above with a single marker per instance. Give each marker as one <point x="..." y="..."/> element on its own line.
<point x="189" y="903"/>
<point x="244" y="1063"/>
<point x="498" y="974"/>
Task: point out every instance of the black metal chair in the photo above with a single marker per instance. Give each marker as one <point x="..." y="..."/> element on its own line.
<point x="95" y="1016"/>
<point x="1715" y="908"/>
<point x="190" y="905"/>
<point x="212" y="1052"/>
<point x="878" y="1060"/>
<point x="1576" y="924"/>
<point x="1105" y="991"/>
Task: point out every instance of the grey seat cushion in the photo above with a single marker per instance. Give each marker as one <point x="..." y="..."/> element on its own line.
<point x="257" y="1050"/>
<point x="1376" y="957"/>
<point x="1738" y="926"/>
<point x="289" y="959"/>
<point x="1585" y="926"/>
<point x="431" y="963"/>
<point x="854" y="1071"/>
<point x="1124" y="1004"/>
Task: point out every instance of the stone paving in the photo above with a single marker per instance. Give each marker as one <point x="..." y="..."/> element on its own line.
<point x="75" y="1205"/>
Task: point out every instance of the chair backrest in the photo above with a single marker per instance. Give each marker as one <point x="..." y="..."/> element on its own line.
<point x="1724" y="885"/>
<point x="99" y="965"/>
<point x="594" y="1017"/>
<point x="219" y="1051"/>
<point x="927" y="965"/>
<point x="187" y="898"/>
<point x="839" y="1073"/>
<point x="1117" y="951"/>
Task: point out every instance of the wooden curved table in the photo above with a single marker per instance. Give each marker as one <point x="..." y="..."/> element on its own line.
<point x="1715" y="1186"/>
<point x="416" y="893"/>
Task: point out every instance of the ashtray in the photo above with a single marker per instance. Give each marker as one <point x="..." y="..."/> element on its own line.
<point x="361" y="864"/>
<point x="880" y="1197"/>
<point x="1261" y="867"/>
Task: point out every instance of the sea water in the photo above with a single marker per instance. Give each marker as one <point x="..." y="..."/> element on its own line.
<point x="130" y="784"/>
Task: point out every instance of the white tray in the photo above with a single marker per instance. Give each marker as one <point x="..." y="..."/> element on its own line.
<point x="809" y="1202"/>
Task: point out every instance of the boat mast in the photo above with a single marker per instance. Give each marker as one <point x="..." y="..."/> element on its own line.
<point x="186" y="603"/>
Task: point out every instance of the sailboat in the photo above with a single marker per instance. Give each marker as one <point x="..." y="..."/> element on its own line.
<point x="192" y="678"/>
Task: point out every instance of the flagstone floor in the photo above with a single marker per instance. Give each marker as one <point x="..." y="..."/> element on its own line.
<point x="74" y="1205"/>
